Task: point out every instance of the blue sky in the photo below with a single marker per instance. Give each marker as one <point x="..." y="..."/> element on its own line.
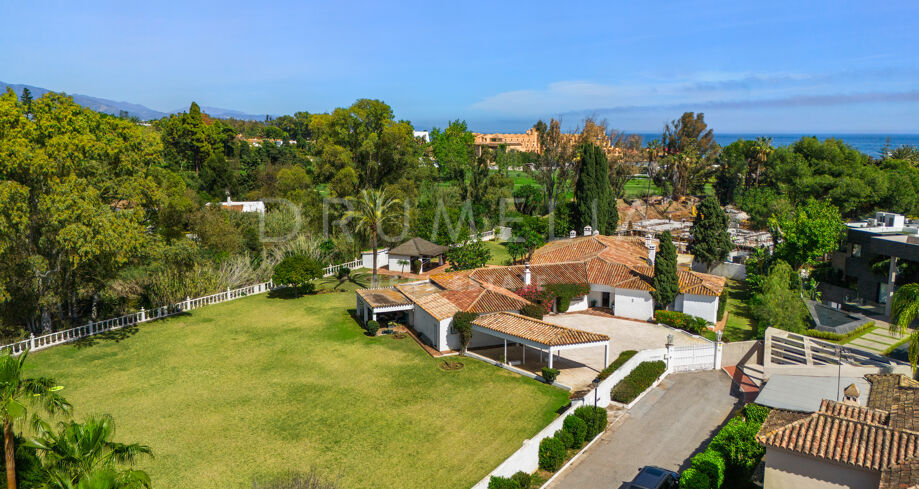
<point x="815" y="66"/>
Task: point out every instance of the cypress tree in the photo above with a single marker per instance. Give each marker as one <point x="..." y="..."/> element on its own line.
<point x="593" y="191"/>
<point x="666" y="283"/>
<point x="711" y="242"/>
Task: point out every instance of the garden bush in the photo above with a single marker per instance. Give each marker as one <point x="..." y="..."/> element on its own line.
<point x="756" y="413"/>
<point x="723" y="302"/>
<point x="534" y="311"/>
<point x="550" y="374"/>
<point x="637" y="381"/>
<point x="551" y="454"/>
<point x="678" y="320"/>
<point x="737" y="444"/>
<point x="565" y="437"/>
<point x="710" y="463"/>
<point x="594" y="419"/>
<point x="462" y="323"/>
<point x="566" y="292"/>
<point x="831" y="336"/>
<point x="343" y="273"/>
<point x="298" y="271"/>
<point x="372" y="327"/>
<point x="497" y="482"/>
<point x="578" y="429"/>
<point x="618" y="362"/>
<point x="522" y="479"/>
<point x="694" y="479"/>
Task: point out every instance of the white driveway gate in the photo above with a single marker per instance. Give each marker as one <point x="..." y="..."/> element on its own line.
<point x="686" y="358"/>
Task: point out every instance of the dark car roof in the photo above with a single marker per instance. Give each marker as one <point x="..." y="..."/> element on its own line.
<point x="650" y="478"/>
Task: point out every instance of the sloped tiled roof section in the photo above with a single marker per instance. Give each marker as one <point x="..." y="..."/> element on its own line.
<point x="897" y="394"/>
<point x="536" y="331"/>
<point x="383" y="297"/>
<point x="418" y="247"/>
<point x="700" y="283"/>
<point x="846" y="434"/>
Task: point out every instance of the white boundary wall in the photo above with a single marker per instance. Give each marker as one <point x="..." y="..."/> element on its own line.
<point x="35" y="343"/>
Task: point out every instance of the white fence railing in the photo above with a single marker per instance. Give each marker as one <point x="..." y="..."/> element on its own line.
<point x="333" y="269"/>
<point x="93" y="328"/>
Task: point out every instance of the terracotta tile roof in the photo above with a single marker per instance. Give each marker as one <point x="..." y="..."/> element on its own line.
<point x="383" y="297"/>
<point x="417" y="290"/>
<point x="897" y="394"/>
<point x="700" y="283"/>
<point x="437" y="306"/>
<point x="536" y="331"/>
<point x="847" y="434"/>
<point x="576" y="249"/>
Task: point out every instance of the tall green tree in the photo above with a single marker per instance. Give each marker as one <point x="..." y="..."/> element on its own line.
<point x="779" y="304"/>
<point x="555" y="162"/>
<point x="711" y="242"/>
<point x="80" y="453"/>
<point x="596" y="204"/>
<point x="691" y="152"/>
<point x="666" y="282"/>
<point x="26" y="99"/>
<point x="17" y="394"/>
<point x="453" y="150"/>
<point x="810" y="232"/>
<point x="904" y="309"/>
<point x="373" y="211"/>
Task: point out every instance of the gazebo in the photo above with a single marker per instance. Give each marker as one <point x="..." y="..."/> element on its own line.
<point x="426" y="254"/>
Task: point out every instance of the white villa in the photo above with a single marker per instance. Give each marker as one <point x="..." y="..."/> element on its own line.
<point x="618" y="270"/>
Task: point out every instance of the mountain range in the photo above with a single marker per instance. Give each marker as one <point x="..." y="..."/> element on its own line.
<point x="137" y="110"/>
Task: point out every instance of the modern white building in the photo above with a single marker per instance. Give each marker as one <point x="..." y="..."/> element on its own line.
<point x="244" y="206"/>
<point x="617" y="270"/>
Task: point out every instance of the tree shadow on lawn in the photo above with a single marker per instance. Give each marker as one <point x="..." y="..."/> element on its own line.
<point x="116" y="335"/>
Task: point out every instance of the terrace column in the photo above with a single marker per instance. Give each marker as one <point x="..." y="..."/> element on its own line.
<point x="505" y="352"/>
<point x="550" y="357"/>
<point x="606" y="354"/>
<point x="891" y="278"/>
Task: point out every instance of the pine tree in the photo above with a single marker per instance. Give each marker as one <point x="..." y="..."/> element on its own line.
<point x="711" y="242"/>
<point x="26" y="99"/>
<point x="595" y="203"/>
<point x="666" y="283"/>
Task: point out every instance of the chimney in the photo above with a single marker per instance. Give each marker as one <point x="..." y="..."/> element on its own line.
<point x="526" y="274"/>
<point x="588" y="230"/>
<point x="851" y="395"/>
<point x="652" y="250"/>
<point x="573" y="234"/>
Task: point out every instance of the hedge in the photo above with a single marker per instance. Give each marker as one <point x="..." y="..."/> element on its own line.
<point x="594" y="418"/>
<point x="694" y="479"/>
<point x="830" y="336"/>
<point x="618" y="362"/>
<point x="723" y="302"/>
<point x="578" y="429"/>
<point x="756" y="413"/>
<point x="737" y="444"/>
<point x="682" y="321"/>
<point x="637" y="381"/>
<point x="502" y="483"/>
<point x="566" y="438"/>
<point x="522" y="479"/>
<point x="551" y="454"/>
<point x="710" y="463"/>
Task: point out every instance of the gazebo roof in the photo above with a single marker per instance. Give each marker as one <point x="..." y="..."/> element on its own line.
<point x="418" y="247"/>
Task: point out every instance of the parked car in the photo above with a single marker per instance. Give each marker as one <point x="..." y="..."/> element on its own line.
<point x="655" y="478"/>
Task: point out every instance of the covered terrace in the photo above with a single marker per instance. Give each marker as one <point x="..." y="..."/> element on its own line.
<point x="373" y="303"/>
<point x="546" y="342"/>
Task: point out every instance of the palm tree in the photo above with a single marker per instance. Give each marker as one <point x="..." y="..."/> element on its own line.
<point x="17" y="394"/>
<point x="904" y="308"/>
<point x="84" y="452"/>
<point x="373" y="210"/>
<point x="762" y="148"/>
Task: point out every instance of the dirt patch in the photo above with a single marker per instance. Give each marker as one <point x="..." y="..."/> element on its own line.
<point x="447" y="365"/>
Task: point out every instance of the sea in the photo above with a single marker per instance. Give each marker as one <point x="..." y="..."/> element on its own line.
<point x="870" y="144"/>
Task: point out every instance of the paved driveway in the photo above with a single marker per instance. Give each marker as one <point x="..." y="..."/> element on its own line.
<point x="666" y="428"/>
<point x="580" y="366"/>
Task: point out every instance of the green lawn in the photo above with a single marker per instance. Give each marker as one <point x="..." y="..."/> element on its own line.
<point x="260" y="386"/>
<point x="740" y="324"/>
<point x="499" y="254"/>
<point x="638" y="188"/>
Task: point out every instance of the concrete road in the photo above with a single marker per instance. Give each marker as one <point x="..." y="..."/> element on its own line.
<point x="666" y="428"/>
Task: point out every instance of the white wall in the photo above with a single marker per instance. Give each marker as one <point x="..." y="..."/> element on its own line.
<point x="635" y="304"/>
<point x="596" y="294"/>
<point x="395" y="266"/>
<point x="425" y="323"/>
<point x="579" y="304"/>
<point x="786" y="470"/>
<point x="703" y="306"/>
<point x="382" y="258"/>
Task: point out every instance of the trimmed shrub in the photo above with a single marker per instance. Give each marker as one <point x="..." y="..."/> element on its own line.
<point x="462" y="323"/>
<point x="550" y="374"/>
<point x="756" y="413"/>
<point x="594" y="418"/>
<point x="678" y="320"/>
<point x="831" y="336"/>
<point x="551" y="454"/>
<point x="522" y="479"/>
<point x="694" y="479"/>
<point x="502" y="483"/>
<point x="534" y="311"/>
<point x="618" y="362"/>
<point x="710" y="463"/>
<point x="372" y="327"/>
<point x="637" y="381"/>
<point x="298" y="271"/>
<point x="578" y="429"/>
<point x="737" y="444"/>
<point x="565" y="437"/>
